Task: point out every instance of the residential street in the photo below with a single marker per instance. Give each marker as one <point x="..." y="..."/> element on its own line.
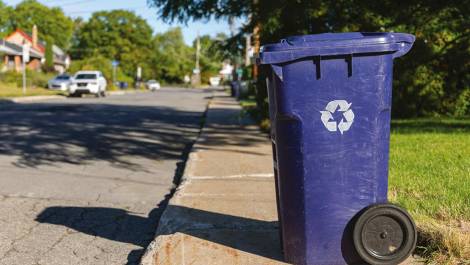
<point x="84" y="179"/>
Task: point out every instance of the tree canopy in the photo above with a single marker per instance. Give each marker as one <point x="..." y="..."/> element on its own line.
<point x="51" y="22"/>
<point x="5" y="14"/>
<point x="117" y="35"/>
<point x="433" y="79"/>
<point x="173" y="59"/>
<point x="212" y="54"/>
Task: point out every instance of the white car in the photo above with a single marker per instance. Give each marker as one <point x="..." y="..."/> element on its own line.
<point x="88" y="82"/>
<point x="214" y="81"/>
<point x="60" y="82"/>
<point x="153" y="85"/>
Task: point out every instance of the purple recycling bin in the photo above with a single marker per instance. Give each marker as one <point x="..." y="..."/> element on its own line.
<point x="330" y="100"/>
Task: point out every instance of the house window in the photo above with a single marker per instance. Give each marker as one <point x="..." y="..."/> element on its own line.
<point x="11" y="61"/>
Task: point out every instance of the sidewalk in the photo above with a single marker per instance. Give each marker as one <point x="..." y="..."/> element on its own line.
<point x="224" y="212"/>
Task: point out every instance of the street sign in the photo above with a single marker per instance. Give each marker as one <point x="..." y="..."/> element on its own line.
<point x="115" y="63"/>
<point x="26" y="53"/>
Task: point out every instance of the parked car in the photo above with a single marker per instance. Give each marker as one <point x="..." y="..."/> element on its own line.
<point x="152" y="85"/>
<point x="88" y="82"/>
<point x="214" y="81"/>
<point x="60" y="82"/>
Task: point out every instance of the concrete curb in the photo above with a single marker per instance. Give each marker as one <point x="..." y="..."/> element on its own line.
<point x="31" y="99"/>
<point x="124" y="92"/>
<point x="148" y="257"/>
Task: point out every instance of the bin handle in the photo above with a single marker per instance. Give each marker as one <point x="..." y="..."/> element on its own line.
<point x="405" y="42"/>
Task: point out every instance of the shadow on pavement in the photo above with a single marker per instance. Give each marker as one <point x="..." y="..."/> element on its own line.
<point x="47" y="133"/>
<point x="42" y="134"/>
<point x="127" y="227"/>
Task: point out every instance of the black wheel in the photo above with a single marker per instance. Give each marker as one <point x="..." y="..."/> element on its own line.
<point x="384" y="234"/>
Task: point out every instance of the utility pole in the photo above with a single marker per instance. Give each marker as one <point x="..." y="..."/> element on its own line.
<point x="248" y="50"/>
<point x="24" y="78"/>
<point x="25" y="59"/>
<point x="115" y="64"/>
<point x="198" y="50"/>
<point x="114" y="75"/>
<point x="196" y="78"/>
<point x="231" y="23"/>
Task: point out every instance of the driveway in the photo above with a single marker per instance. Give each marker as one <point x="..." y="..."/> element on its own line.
<point x="84" y="180"/>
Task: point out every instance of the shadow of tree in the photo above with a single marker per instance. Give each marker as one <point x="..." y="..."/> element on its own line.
<point x="431" y="125"/>
<point x="41" y="134"/>
<point x="47" y="133"/>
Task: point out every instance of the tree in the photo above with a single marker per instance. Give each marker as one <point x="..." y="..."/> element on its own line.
<point x="5" y="13"/>
<point x="433" y="80"/>
<point x="116" y="35"/>
<point x="212" y="54"/>
<point x="51" y="22"/>
<point x="49" y="55"/>
<point x="173" y="59"/>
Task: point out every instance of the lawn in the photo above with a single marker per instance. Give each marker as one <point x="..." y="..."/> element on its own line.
<point x="11" y="90"/>
<point x="430" y="176"/>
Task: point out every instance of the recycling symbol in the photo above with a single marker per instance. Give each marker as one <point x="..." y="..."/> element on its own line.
<point x="346" y="121"/>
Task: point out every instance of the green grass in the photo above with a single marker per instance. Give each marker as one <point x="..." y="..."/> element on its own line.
<point x="430" y="177"/>
<point x="430" y="167"/>
<point x="11" y="91"/>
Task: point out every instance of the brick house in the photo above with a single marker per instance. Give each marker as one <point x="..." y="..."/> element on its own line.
<point x="11" y="48"/>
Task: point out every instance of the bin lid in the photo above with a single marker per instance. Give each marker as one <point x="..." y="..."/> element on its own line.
<point x="328" y="44"/>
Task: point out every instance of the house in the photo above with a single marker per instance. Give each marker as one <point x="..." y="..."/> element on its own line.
<point x="11" y="48"/>
<point x="13" y="54"/>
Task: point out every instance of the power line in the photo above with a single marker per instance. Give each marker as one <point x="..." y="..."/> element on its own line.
<point x="57" y="1"/>
<point x="77" y="3"/>
<point x="93" y="11"/>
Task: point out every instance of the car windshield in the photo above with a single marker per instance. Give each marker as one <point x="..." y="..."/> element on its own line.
<point x="152" y="81"/>
<point x="85" y="76"/>
<point x="62" y="77"/>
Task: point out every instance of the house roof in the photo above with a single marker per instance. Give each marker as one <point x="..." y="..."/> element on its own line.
<point x="60" y="56"/>
<point x="25" y="35"/>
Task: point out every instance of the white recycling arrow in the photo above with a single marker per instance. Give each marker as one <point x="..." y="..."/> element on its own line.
<point x="326" y="116"/>
<point x="328" y="120"/>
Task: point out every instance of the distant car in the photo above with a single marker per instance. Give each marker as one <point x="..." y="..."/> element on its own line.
<point x="214" y="81"/>
<point x="153" y="85"/>
<point x="60" y="82"/>
<point x="88" y="82"/>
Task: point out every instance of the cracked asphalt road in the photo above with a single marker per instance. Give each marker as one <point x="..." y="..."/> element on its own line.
<point x="84" y="180"/>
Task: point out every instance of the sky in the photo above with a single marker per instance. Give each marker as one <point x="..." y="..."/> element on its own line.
<point x="84" y="9"/>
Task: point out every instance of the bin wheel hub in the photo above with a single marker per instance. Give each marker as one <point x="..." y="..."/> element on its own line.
<point x="384" y="234"/>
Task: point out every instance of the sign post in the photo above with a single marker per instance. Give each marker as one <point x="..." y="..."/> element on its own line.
<point x="115" y="65"/>
<point x="25" y="61"/>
